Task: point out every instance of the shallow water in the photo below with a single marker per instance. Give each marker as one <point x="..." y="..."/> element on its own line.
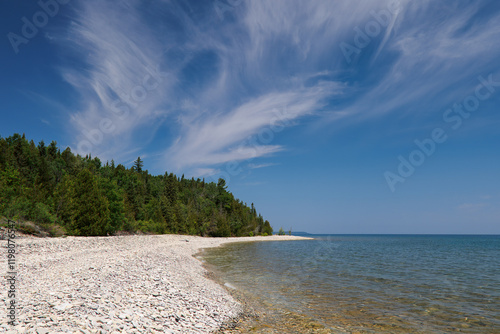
<point x="368" y="283"/>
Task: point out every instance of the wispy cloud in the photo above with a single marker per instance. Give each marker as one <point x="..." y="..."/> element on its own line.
<point x="221" y="82"/>
<point x="431" y="48"/>
<point x="257" y="166"/>
<point x="226" y="137"/>
<point x="115" y="64"/>
<point x="202" y="172"/>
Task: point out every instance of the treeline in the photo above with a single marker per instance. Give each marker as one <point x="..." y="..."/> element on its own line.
<point x="68" y="194"/>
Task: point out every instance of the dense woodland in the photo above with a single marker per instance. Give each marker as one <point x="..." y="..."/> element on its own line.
<point x="64" y="193"/>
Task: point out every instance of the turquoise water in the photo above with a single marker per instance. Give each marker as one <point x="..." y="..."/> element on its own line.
<point x="374" y="283"/>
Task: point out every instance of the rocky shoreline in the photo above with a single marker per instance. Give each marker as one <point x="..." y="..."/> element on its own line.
<point x="121" y="284"/>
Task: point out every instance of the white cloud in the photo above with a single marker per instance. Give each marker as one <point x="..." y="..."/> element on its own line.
<point x="201" y="172"/>
<point x="227" y="137"/>
<point x="432" y="47"/>
<point x="217" y="104"/>
<point x="116" y="60"/>
<point x="222" y="82"/>
<point x="257" y="166"/>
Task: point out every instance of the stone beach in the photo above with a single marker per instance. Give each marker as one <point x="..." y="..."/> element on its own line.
<point x="119" y="284"/>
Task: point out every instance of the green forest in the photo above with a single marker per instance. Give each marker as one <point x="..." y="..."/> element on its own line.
<point x="60" y="193"/>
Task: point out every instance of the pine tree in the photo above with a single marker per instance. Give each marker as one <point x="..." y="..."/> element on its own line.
<point x="92" y="212"/>
<point x="49" y="187"/>
<point x="70" y="160"/>
<point x="64" y="203"/>
<point x="116" y="203"/>
<point x="138" y="164"/>
<point x="42" y="150"/>
<point x="168" y="214"/>
<point x="52" y="150"/>
<point x="170" y="189"/>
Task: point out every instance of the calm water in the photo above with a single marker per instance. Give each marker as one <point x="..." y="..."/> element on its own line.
<point x="427" y="284"/>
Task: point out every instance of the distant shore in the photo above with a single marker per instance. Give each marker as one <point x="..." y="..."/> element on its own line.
<point x="133" y="284"/>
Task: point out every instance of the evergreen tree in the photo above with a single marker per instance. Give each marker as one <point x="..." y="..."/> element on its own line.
<point x="64" y="203"/>
<point x="116" y="203"/>
<point x="42" y="150"/>
<point x="46" y="186"/>
<point x="91" y="209"/>
<point x="52" y="151"/>
<point x="70" y="160"/>
<point x="170" y="189"/>
<point x="138" y="164"/>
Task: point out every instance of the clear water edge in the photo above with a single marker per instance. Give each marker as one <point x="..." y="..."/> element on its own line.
<point x="419" y="284"/>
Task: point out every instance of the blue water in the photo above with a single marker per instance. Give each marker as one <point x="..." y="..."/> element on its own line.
<point x="374" y="283"/>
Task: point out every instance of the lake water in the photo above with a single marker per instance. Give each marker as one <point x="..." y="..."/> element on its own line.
<point x="372" y="283"/>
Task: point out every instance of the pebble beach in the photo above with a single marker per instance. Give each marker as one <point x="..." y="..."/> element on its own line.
<point x="119" y="284"/>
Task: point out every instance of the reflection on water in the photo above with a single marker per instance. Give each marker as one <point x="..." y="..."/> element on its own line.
<point x="373" y="283"/>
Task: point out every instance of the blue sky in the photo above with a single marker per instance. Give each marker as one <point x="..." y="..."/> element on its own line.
<point x="331" y="116"/>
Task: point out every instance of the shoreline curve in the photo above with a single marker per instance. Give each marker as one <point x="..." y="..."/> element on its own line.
<point x="133" y="284"/>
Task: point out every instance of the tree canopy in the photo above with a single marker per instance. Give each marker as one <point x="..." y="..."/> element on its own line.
<point x="69" y="194"/>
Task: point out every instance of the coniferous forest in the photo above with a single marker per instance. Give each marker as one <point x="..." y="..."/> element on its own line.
<point x="61" y="193"/>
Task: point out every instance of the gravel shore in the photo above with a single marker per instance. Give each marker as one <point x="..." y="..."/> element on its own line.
<point x="121" y="284"/>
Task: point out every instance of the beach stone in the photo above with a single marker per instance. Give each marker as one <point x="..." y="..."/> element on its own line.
<point x="63" y="307"/>
<point x="122" y="284"/>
